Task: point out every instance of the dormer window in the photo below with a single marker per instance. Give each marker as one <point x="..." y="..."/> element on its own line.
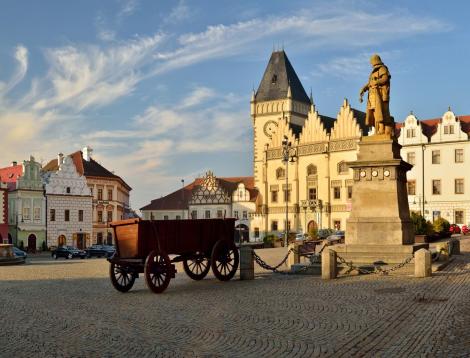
<point x="274" y="79"/>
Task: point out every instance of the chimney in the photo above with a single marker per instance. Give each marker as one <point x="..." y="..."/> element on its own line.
<point x="14" y="163"/>
<point x="87" y="151"/>
<point x="60" y="158"/>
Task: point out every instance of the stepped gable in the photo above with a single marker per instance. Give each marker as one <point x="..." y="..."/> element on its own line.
<point x="347" y="125"/>
<point x="314" y="128"/>
<point x="179" y="199"/>
<point x="283" y="129"/>
<point x="277" y="78"/>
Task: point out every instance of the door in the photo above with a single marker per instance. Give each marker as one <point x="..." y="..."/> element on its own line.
<point x="32" y="243"/>
<point x="81" y="241"/>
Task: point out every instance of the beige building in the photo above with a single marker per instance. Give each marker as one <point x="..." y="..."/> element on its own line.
<point x="110" y="194"/>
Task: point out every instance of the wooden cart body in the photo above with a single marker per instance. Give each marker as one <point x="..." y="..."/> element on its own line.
<point x="138" y="240"/>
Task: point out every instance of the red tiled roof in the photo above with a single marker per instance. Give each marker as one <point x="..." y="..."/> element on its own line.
<point x="10" y="175"/>
<point x="179" y="199"/>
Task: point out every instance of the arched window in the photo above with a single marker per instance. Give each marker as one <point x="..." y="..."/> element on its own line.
<point x="280" y="173"/>
<point x="312" y="170"/>
<point x="343" y="168"/>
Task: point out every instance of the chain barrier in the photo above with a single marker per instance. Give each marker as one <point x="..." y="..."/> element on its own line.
<point x="265" y="266"/>
<point x="377" y="268"/>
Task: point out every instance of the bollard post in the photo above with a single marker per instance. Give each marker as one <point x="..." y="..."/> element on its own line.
<point x="328" y="264"/>
<point x="247" y="264"/>
<point x="455" y="247"/>
<point x="443" y="249"/>
<point x="423" y="263"/>
<point x="294" y="257"/>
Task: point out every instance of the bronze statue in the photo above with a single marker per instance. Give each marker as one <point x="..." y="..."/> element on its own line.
<point x="378" y="112"/>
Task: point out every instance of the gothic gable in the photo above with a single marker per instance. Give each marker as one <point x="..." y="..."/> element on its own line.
<point x="346" y="125"/>
<point x="313" y="129"/>
<point x="210" y="192"/>
<point x="66" y="180"/>
<point x="283" y="130"/>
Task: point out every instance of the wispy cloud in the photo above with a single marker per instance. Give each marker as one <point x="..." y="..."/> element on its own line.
<point x="128" y="7"/>
<point x="179" y="13"/>
<point x="21" y="57"/>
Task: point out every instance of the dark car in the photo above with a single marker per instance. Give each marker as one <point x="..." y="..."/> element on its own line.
<point x="69" y="252"/>
<point x="100" y="251"/>
<point x="19" y="253"/>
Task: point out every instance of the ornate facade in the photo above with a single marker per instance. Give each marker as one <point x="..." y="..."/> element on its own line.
<point x="69" y="206"/>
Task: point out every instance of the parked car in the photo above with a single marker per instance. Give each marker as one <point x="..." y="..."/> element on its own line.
<point x="19" y="253"/>
<point x="454" y="229"/>
<point x="69" y="252"/>
<point x="100" y="251"/>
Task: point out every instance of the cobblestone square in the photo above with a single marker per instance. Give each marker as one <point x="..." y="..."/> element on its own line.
<point x="68" y="308"/>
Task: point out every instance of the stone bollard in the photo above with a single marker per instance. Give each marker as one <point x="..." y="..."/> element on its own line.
<point x="423" y="263"/>
<point x="294" y="257"/>
<point x="443" y="250"/>
<point x="247" y="264"/>
<point x="455" y="247"/>
<point x="328" y="264"/>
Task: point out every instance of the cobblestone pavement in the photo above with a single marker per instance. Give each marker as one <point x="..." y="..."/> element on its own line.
<point x="68" y="308"/>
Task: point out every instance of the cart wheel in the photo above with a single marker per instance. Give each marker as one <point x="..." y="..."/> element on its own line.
<point x="197" y="268"/>
<point x="158" y="271"/>
<point x="121" y="278"/>
<point x="224" y="260"/>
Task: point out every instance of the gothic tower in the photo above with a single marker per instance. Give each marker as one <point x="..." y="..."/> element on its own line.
<point x="280" y="95"/>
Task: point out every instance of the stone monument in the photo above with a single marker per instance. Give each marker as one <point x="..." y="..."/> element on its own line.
<point x="379" y="227"/>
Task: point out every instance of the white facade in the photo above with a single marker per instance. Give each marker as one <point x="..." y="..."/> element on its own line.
<point x="442" y="187"/>
<point x="69" y="206"/>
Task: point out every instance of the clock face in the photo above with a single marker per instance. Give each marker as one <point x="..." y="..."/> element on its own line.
<point x="269" y="128"/>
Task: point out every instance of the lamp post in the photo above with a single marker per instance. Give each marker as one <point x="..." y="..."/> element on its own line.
<point x="289" y="155"/>
<point x="182" y="200"/>
<point x="422" y="201"/>
<point x="423" y="147"/>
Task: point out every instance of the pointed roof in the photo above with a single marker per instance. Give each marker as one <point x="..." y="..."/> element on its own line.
<point x="277" y="78"/>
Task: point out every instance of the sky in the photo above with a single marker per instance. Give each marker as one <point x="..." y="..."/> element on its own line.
<point x="161" y="89"/>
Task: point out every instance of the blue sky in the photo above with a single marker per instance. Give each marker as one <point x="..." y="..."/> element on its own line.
<point x="161" y="89"/>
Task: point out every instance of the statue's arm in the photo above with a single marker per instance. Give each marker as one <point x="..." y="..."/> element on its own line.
<point x="363" y="89"/>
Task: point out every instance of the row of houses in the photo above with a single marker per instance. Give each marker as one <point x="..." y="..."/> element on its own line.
<point x="68" y="201"/>
<point x="315" y="189"/>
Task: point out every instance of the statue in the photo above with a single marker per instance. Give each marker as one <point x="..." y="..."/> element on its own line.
<point x="378" y="112"/>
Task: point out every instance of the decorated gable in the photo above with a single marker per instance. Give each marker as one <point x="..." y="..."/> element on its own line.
<point x="210" y="192"/>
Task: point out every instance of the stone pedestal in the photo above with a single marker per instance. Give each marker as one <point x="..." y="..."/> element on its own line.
<point x="423" y="263"/>
<point x="379" y="227"/>
<point x="294" y="257"/>
<point x="247" y="265"/>
<point x="328" y="264"/>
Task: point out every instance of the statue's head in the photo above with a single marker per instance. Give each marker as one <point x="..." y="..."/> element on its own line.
<point x="375" y="60"/>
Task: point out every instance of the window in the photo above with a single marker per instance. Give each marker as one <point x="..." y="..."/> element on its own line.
<point x="110" y="216"/>
<point x="411" y="158"/>
<point x="100" y="216"/>
<point x="152" y="217"/>
<point x="350" y="192"/>
<point x="67" y="190"/>
<point x="26" y="214"/>
<point x="178" y="217"/>
<point x="274" y="196"/>
<point x="52" y="214"/>
<point x="411" y="187"/>
<point x="256" y="232"/>
<point x="411" y="133"/>
<point x="436" y="157"/>
<point x="99" y="238"/>
<point x="165" y="217"/>
<point x="343" y="168"/>
<point x="274" y="225"/>
<point x="459" y="155"/>
<point x="100" y="194"/>
<point x="274" y="79"/>
<point x="194" y="214"/>
<point x="235" y="214"/>
<point x="446" y="129"/>
<point x="245" y="214"/>
<point x="311" y="170"/>
<point x="337" y="224"/>
<point x="459" y="217"/>
<point x="67" y="215"/>
<point x="312" y="193"/>
<point x="80" y="215"/>
<point x="110" y="194"/>
<point x="337" y="192"/>
<point x="459" y="186"/>
<point x="280" y="173"/>
<point x="220" y="214"/>
<point x="436" y="187"/>
<point x="207" y="214"/>
<point x="451" y="129"/>
<point x="286" y="196"/>
<point x="37" y="213"/>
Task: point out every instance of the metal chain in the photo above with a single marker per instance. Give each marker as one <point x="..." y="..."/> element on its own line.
<point x="377" y="269"/>
<point x="264" y="265"/>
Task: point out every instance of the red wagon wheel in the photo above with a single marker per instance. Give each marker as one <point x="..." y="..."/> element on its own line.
<point x="197" y="267"/>
<point x="121" y="277"/>
<point x="158" y="271"/>
<point x="224" y="260"/>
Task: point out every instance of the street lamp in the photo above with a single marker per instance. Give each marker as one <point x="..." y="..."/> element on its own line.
<point x="289" y="155"/>
<point x="421" y="200"/>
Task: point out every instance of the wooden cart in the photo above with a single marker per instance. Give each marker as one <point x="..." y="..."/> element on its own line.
<point x="144" y="246"/>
